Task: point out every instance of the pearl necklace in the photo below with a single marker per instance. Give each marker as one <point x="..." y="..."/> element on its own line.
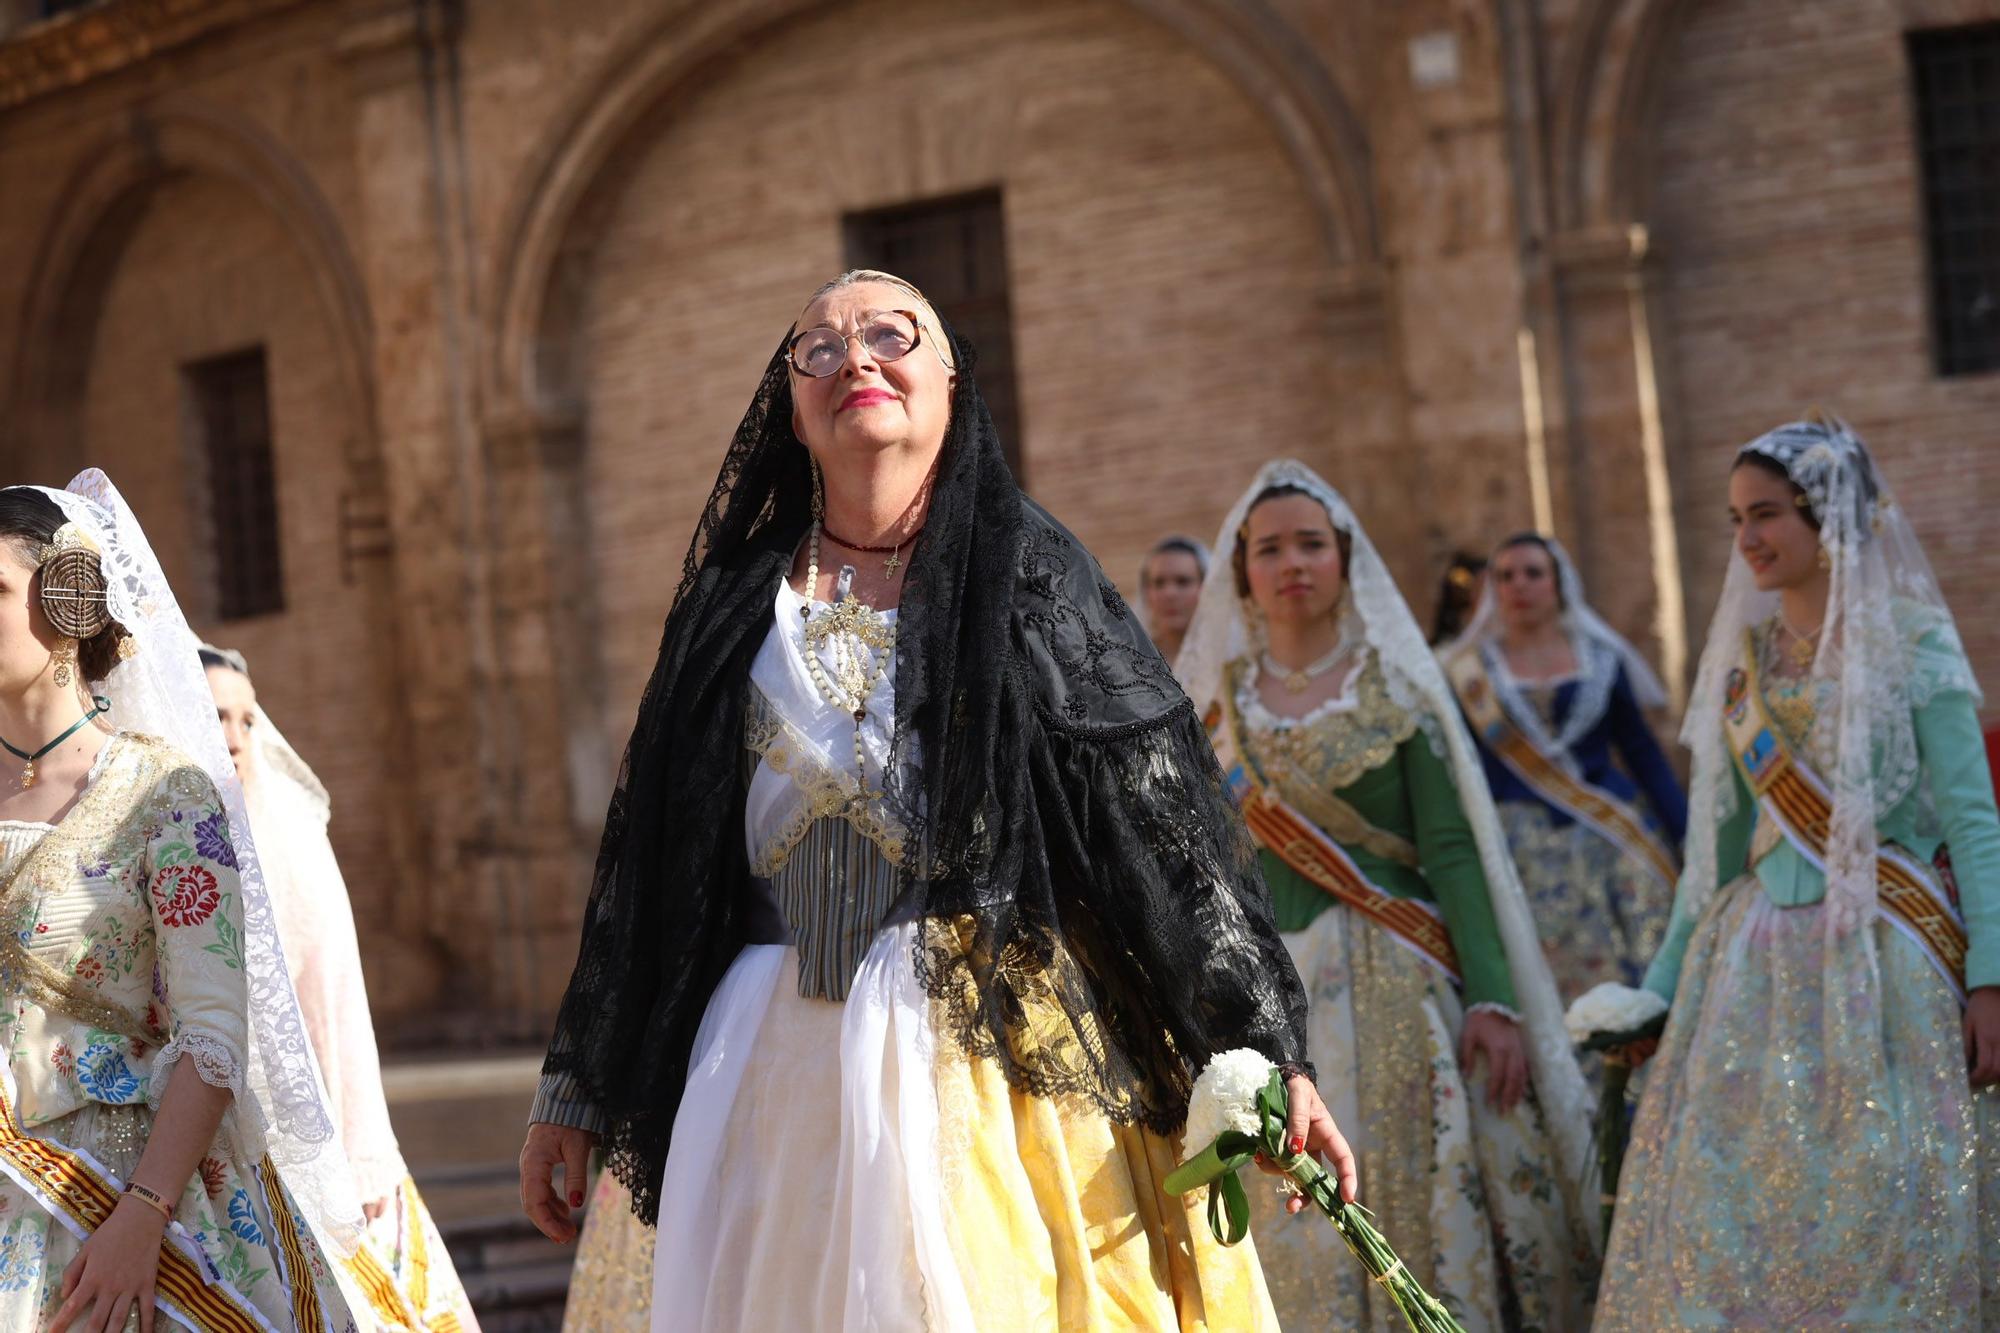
<point x="868" y="627"/>
<point x="1299" y="681"/>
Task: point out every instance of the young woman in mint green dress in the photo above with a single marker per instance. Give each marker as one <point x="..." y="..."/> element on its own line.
<point x="1819" y="1142"/>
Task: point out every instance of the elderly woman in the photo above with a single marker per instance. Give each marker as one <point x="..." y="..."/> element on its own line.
<point x="920" y="903"/>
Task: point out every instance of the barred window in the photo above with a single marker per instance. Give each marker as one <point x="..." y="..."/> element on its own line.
<point x="955" y="249"/>
<point x="229" y="403"/>
<point x="1955" y="73"/>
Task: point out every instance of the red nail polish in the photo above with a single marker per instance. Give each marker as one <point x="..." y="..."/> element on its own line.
<point x="1298" y="1144"/>
<point x="576" y="1198"/>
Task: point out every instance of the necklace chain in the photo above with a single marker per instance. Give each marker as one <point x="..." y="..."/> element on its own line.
<point x="1298" y="681"/>
<point x="895" y="553"/>
<point x="1803" y="646"/>
<point x="869" y="628"/>
<point x="103" y="706"/>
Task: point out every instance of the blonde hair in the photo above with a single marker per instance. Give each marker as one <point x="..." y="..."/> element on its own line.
<point x="927" y="316"/>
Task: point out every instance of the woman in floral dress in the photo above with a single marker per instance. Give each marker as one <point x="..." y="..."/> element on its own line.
<point x="163" y="1145"/>
<point x="1557" y="701"/>
<point x="1390" y="880"/>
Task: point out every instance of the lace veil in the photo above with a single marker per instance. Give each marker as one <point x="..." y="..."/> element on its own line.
<point x="1888" y="645"/>
<point x="1376" y="611"/>
<point x="1090" y="915"/>
<point x="161" y="691"/>
<point x="1600" y="652"/>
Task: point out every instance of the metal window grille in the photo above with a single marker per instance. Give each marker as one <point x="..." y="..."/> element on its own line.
<point x="1955" y="76"/>
<point x="230" y="402"/>
<point x="955" y="249"/>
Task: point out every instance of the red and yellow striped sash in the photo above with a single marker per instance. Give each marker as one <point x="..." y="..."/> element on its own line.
<point x="80" y="1194"/>
<point x="1321" y="861"/>
<point x="1797" y="800"/>
<point x="1593" y="807"/>
<point x="399" y="1308"/>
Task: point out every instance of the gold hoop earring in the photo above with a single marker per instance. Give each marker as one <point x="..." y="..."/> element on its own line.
<point x="65" y="658"/>
<point x="1825" y="560"/>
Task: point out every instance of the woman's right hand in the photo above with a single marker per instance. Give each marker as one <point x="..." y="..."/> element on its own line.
<point x="114" y="1273"/>
<point x="548" y="1147"/>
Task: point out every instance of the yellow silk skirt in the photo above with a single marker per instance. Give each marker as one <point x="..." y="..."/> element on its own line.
<point x="837" y="1168"/>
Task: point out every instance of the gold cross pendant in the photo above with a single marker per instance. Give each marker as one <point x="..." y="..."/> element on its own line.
<point x="893" y="563"/>
<point x="28" y="776"/>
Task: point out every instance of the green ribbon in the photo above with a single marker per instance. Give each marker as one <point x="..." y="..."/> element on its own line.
<point x="103" y="707"/>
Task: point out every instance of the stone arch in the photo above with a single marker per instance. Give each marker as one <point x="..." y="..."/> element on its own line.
<point x="98" y="210"/>
<point x="1608" y="89"/>
<point x="1260" y="54"/>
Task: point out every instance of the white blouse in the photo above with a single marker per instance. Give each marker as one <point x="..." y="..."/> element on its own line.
<point x="805" y="745"/>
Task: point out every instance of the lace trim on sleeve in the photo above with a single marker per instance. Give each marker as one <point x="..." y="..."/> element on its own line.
<point x="220" y="1065"/>
<point x="1507" y="1012"/>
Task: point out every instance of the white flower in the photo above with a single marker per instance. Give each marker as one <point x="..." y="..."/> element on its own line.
<point x="1225" y="1098"/>
<point x="1610" y="1007"/>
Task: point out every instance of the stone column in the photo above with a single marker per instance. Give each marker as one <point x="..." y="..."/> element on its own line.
<point x="1620" y="455"/>
<point x="484" y="753"/>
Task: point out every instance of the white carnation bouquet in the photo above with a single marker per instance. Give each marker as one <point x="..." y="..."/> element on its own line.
<point x="1609" y="1018"/>
<point x="1237" y="1113"/>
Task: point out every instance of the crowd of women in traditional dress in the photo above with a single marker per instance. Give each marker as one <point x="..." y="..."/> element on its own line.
<point x="929" y="887"/>
<point x="1029" y="883"/>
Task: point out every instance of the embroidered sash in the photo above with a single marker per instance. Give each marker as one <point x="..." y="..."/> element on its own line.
<point x="1796" y="800"/>
<point x="395" y="1311"/>
<point x="76" y="1190"/>
<point x="1299" y="843"/>
<point x="1593" y="807"/>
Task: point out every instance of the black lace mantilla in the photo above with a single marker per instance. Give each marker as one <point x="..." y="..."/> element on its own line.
<point x="1091" y="915"/>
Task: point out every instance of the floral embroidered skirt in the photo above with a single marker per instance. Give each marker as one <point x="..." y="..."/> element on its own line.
<point x="1810" y="1152"/>
<point x="1600" y="913"/>
<point x="226" y="1211"/>
<point x="611" y="1286"/>
<point x="834" y="1169"/>
<point x="1469" y="1198"/>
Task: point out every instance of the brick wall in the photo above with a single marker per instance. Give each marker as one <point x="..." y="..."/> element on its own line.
<point x="207" y="271"/>
<point x="1166" y="308"/>
<point x="1188" y="301"/>
<point x="1787" y="206"/>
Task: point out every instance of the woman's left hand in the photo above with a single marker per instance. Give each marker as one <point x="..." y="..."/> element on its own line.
<point x="1309" y="1128"/>
<point x="114" y="1271"/>
<point x="1982" y="1035"/>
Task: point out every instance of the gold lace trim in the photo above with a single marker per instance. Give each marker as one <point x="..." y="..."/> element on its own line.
<point x="1335" y="749"/>
<point x="113" y="815"/>
<point x="825" y="793"/>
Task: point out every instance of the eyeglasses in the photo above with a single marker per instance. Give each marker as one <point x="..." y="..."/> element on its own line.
<point x="887" y="335"/>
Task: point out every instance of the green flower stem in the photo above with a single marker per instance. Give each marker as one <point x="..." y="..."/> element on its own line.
<point x="1423" y="1312"/>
